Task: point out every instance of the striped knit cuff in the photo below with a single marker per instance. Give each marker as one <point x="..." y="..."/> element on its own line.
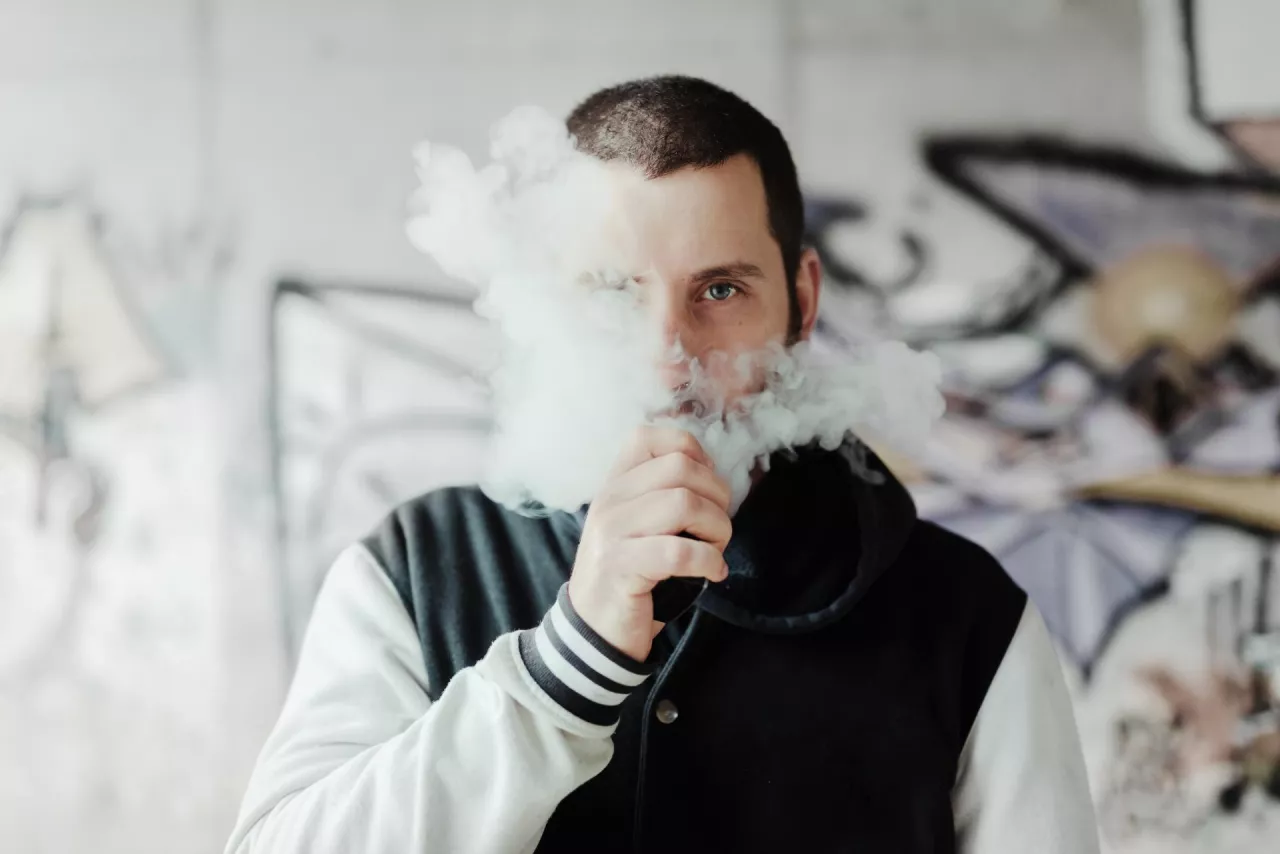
<point x="581" y="671"/>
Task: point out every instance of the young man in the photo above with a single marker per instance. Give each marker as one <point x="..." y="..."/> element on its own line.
<point x="852" y="679"/>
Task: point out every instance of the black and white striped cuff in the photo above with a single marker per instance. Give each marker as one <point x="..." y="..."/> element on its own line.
<point x="582" y="672"/>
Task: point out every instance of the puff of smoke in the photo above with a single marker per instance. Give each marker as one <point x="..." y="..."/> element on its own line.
<point x="885" y="393"/>
<point x="534" y="231"/>
<point x="577" y="368"/>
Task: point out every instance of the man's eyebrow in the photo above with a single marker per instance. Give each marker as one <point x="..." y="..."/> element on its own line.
<point x="736" y="270"/>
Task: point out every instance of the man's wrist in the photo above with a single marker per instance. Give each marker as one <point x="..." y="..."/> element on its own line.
<point x="577" y="668"/>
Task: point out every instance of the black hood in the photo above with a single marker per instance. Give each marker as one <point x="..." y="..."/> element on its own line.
<point x="808" y="542"/>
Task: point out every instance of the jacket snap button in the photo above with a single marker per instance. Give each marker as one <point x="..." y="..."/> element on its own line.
<point x="666" y="713"/>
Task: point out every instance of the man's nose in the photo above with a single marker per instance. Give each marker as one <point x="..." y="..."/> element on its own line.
<point x="670" y="317"/>
<point x="674" y="370"/>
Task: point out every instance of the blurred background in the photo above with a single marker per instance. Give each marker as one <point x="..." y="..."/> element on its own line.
<point x="220" y="360"/>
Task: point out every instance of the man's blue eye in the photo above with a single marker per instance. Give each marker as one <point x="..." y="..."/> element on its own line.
<point x="721" y="291"/>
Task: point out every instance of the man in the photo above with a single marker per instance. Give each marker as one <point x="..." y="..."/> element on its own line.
<point x="851" y="679"/>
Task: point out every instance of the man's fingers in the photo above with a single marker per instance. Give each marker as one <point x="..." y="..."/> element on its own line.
<point x="662" y="512"/>
<point x="658" y="558"/>
<point x="671" y="471"/>
<point x="649" y="442"/>
<point x="672" y="512"/>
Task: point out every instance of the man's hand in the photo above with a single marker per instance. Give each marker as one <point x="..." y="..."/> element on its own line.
<point x="662" y="485"/>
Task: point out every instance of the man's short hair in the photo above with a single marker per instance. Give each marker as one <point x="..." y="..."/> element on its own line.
<point x="662" y="124"/>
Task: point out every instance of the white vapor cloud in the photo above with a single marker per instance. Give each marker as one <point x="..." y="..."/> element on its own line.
<point x="533" y="231"/>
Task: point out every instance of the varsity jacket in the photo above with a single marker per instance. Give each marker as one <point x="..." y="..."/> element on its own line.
<point x="863" y="681"/>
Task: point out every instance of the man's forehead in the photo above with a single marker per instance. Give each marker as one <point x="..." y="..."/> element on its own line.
<point x="689" y="220"/>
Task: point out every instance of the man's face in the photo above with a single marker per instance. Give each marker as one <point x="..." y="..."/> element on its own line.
<point x="710" y="273"/>
<point x="591" y="272"/>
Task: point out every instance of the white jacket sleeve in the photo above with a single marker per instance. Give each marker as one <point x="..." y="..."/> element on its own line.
<point x="362" y="760"/>
<point x="1022" y="784"/>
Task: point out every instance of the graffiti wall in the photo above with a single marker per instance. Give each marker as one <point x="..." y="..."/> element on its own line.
<point x="1113" y="436"/>
<point x="1076" y="205"/>
<point x="108" y="535"/>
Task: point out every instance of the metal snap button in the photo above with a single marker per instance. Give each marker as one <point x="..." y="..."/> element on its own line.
<point x="666" y="712"/>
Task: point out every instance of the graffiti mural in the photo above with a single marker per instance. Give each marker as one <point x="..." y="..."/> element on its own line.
<point x="70" y="344"/>
<point x="1113" y="436"/>
<point x="108" y="534"/>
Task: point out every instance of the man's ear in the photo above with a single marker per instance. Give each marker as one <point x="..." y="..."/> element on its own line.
<point x="808" y="287"/>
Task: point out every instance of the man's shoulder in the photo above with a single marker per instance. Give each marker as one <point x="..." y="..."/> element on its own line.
<point x="467" y="570"/>
<point x="956" y="563"/>
<point x="971" y="604"/>
<point x="441" y="519"/>
<point x="960" y="587"/>
<point x="457" y="536"/>
<point x="414" y="523"/>
<point x="441" y="504"/>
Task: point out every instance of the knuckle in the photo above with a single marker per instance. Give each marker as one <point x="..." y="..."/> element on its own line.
<point x="685" y="500"/>
<point x="676" y="552"/>
<point x="685" y="466"/>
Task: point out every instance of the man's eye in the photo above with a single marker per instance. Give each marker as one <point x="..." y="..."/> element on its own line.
<point x="721" y="291"/>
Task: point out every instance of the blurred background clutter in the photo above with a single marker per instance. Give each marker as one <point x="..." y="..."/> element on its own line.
<point x="221" y="361"/>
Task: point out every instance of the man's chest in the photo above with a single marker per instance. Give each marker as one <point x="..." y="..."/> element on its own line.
<point x="819" y="742"/>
